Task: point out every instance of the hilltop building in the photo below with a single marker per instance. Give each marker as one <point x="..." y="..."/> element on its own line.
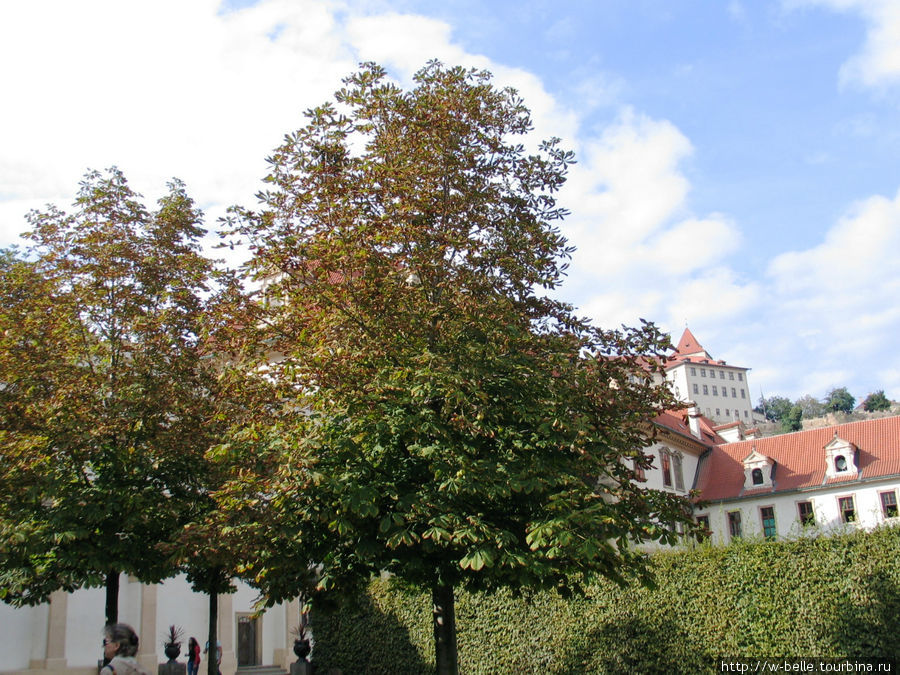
<point x="719" y="389"/>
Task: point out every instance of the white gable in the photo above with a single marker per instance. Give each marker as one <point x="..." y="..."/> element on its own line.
<point x="757" y="470"/>
<point x="840" y="458"/>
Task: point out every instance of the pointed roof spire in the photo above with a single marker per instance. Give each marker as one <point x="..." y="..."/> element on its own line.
<point x="688" y="344"/>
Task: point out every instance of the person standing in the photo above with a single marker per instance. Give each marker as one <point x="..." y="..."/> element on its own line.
<point x="193" y="663"/>
<point x="120" y="644"/>
<point x="218" y="655"/>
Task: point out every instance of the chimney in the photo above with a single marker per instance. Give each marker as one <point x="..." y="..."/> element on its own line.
<point x="694" y="419"/>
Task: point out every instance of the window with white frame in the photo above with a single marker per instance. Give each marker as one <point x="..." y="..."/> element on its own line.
<point x="805" y="511"/>
<point x="847" y="508"/>
<point x="703" y="522"/>
<point x="767" y="516"/>
<point x="889" y="503"/>
<point x="638" y="470"/>
<point x="721" y="374"/>
<point x="677" y="470"/>
<point x="696" y="389"/>
<point x="735" y="529"/>
<point x="666" y="465"/>
<point x="715" y="390"/>
<point x="706" y="389"/>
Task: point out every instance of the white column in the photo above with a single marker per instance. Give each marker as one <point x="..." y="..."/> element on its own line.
<point x="56" y="631"/>
<point x="146" y="655"/>
<point x="226" y="634"/>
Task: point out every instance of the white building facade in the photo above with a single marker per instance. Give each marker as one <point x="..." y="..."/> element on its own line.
<point x="719" y="389"/>
<point x="64" y="636"/>
<point x="820" y="480"/>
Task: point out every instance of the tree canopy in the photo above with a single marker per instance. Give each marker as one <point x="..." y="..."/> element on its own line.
<point x="792" y="420"/>
<point x="108" y="398"/>
<point x="840" y="400"/>
<point x="810" y="406"/>
<point x="451" y="422"/>
<point x="775" y="408"/>
<point x="876" y="401"/>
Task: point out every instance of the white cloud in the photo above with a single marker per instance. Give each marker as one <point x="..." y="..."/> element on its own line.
<point x="837" y="301"/>
<point x="737" y="11"/>
<point x="159" y="89"/>
<point x="404" y="42"/>
<point x="169" y="88"/>
<point x="878" y="62"/>
<point x="641" y="252"/>
<point x="856" y="258"/>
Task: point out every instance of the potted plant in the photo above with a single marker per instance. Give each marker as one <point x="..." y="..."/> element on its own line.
<point x="301" y="641"/>
<point x="172" y="642"/>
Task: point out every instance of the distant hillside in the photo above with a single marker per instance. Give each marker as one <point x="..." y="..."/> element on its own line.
<point x="831" y="419"/>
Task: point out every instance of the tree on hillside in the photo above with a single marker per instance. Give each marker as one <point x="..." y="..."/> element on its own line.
<point x="876" y="401"/>
<point x="451" y="424"/>
<point x="792" y="421"/>
<point x="108" y="399"/>
<point x="839" y="400"/>
<point x="774" y="408"/>
<point x="810" y="407"/>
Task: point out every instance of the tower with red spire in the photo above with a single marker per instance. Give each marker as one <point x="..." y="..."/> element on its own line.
<point x="719" y="389"/>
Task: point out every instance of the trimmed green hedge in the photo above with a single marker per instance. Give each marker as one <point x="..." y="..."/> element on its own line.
<point x="823" y="597"/>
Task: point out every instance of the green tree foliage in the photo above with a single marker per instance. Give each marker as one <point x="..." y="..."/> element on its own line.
<point x="452" y="424"/>
<point x="108" y="399"/>
<point x="876" y="401"/>
<point x="791" y="421"/>
<point x="839" y="400"/>
<point x="774" y="408"/>
<point x="810" y="407"/>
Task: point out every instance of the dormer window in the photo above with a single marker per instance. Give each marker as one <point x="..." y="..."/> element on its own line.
<point x="840" y="458"/>
<point x="758" y="470"/>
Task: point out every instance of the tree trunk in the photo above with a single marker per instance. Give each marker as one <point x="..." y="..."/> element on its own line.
<point x="112" y="598"/>
<point x="443" y="618"/>
<point x="212" y="663"/>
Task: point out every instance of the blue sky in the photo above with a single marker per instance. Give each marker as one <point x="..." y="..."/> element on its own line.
<point x="738" y="161"/>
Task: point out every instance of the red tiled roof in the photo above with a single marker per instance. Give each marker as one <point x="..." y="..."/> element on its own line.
<point x="677" y="421"/>
<point x="689" y="350"/>
<point x="800" y="458"/>
<point x="688" y="344"/>
<point x="677" y="359"/>
<point x="674" y="421"/>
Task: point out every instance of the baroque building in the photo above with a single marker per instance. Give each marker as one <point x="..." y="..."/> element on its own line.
<point x="719" y="389"/>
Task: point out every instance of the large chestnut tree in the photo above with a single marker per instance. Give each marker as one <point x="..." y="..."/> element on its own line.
<point x="453" y="423"/>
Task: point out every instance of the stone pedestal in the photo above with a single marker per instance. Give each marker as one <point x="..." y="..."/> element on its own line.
<point x="171" y="668"/>
<point x="301" y="668"/>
